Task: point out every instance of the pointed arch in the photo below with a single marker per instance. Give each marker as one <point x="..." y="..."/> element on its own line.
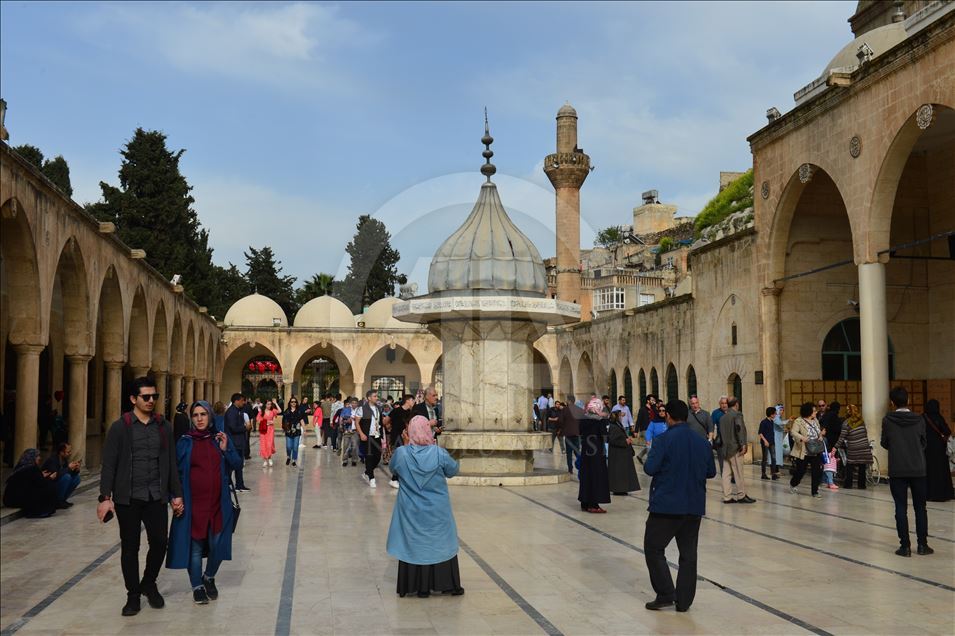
<point x="21" y="275"/>
<point x="139" y="336"/>
<point x="566" y="378"/>
<point x="673" y="383"/>
<point x="690" y="383"/>
<point x="654" y="382"/>
<point x="160" y="349"/>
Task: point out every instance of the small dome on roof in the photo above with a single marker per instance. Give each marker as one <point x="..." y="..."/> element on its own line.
<point x="880" y="40"/>
<point x="255" y="310"/>
<point x="567" y="111"/>
<point x="378" y="315"/>
<point x="325" y="311"/>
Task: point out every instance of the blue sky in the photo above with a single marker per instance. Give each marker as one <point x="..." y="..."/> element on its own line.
<point x="298" y="117"/>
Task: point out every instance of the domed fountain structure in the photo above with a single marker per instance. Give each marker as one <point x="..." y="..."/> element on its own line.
<point x="487" y="302"/>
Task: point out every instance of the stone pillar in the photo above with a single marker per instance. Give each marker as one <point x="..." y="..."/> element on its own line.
<point x="139" y="372"/>
<point x="76" y="394"/>
<point x="874" y="332"/>
<point x="28" y="384"/>
<point x="163" y="407"/>
<point x="360" y="391"/>
<point x="190" y="387"/>
<point x="773" y="388"/>
<point x="215" y="391"/>
<point x="175" y="391"/>
<point x="114" y="389"/>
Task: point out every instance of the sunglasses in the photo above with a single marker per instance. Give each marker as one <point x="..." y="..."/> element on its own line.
<point x="148" y="397"/>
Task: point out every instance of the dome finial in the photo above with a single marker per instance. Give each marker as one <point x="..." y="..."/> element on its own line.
<point x="488" y="168"/>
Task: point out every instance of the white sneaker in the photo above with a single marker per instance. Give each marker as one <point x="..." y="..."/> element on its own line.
<point x="394" y="484"/>
<point x="793" y="490"/>
<point x="371" y="482"/>
<point x="364" y="476"/>
<point x="265" y="464"/>
<point x="270" y="461"/>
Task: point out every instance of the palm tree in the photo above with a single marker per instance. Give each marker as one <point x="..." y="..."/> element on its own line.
<point x="320" y="284"/>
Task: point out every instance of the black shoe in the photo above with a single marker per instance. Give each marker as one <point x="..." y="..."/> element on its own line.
<point x="424" y="594"/>
<point x="199" y="596"/>
<point x="776" y="476"/>
<point x="211" y="590"/>
<point x="620" y="494"/>
<point x="293" y="463"/>
<point x="63" y="505"/>
<point x="923" y="549"/>
<point x="151" y="592"/>
<point x="288" y="460"/>
<point x="316" y="446"/>
<point x="904" y="551"/>
<point x="765" y="477"/>
<point x="132" y="606"/>
<point x="681" y="609"/>
<point x="729" y="501"/>
<point x="344" y="463"/>
<point x="354" y="464"/>
<point x="747" y="499"/>
<point x="658" y="604"/>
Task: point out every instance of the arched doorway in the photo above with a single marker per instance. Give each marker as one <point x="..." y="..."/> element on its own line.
<point x="542" y="378"/>
<point x="654" y="382"/>
<point x="437" y="375"/>
<point x="236" y="371"/>
<point x="585" y="377"/>
<point x="330" y="366"/>
<point x="262" y="378"/>
<point x="673" y="383"/>
<point x="842" y="352"/>
<point x="566" y="378"/>
<point x="320" y="377"/>
<point x="690" y="383"/>
<point x="734" y="388"/>
<point x="393" y="371"/>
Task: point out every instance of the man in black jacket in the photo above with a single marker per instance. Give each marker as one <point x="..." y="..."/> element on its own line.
<point x="139" y="479"/>
<point x="430" y="410"/>
<point x="903" y="435"/>
<point x="235" y="428"/>
<point x="367" y="419"/>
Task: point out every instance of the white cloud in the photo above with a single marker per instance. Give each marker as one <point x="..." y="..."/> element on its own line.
<point x="285" y="45"/>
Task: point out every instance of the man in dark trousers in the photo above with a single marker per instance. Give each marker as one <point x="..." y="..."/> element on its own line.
<point x="570" y="417"/>
<point x="680" y="462"/>
<point x="903" y="435"/>
<point x="367" y="419"/>
<point x="235" y="428"/>
<point x="399" y="417"/>
<point x="138" y="480"/>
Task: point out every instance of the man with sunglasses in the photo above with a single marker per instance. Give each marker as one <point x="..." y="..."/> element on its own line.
<point x="139" y="479"/>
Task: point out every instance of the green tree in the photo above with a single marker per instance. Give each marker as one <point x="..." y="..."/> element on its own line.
<point x="264" y="276"/>
<point x="229" y="286"/>
<point x="31" y="153"/>
<point x="373" y="271"/>
<point x="320" y="284"/>
<point x="609" y="237"/>
<point x="152" y="210"/>
<point x="58" y="171"/>
<point x="666" y="244"/>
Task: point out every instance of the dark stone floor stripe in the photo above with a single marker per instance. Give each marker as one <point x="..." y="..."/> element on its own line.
<point x="283" y="621"/>
<point x="848" y="493"/>
<point x="832" y="514"/>
<point x="60" y="591"/>
<point x="787" y="541"/>
<point x="735" y="593"/>
<point x="519" y="600"/>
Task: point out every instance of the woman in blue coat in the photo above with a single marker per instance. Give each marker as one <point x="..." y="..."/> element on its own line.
<point x="205" y="456"/>
<point x="423" y="535"/>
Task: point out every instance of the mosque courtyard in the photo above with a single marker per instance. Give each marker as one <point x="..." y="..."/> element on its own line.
<point x="309" y="558"/>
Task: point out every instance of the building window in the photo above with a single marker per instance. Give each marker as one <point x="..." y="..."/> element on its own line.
<point x="609" y="298"/>
<point x="642" y="379"/>
<point x="734" y="386"/>
<point x="733" y="332"/>
<point x="654" y="382"/>
<point x="612" y="392"/>
<point x="673" y="384"/>
<point x="690" y="382"/>
<point x="669" y="262"/>
<point x="646" y="299"/>
<point x="628" y="387"/>
<point x="842" y="352"/>
<point x="388" y="384"/>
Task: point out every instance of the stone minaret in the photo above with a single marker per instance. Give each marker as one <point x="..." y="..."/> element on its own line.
<point x="567" y="169"/>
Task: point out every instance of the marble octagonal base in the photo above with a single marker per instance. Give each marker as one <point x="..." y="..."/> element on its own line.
<point x="492" y="458"/>
<point x="537" y="477"/>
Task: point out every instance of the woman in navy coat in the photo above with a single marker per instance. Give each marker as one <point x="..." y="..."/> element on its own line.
<point x="205" y="456"/>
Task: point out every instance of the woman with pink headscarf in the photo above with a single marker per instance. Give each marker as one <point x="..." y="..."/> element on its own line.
<point x="423" y="535"/>
<point x="594" y="478"/>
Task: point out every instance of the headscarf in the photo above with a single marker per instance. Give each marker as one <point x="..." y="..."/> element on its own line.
<point x="855" y="417"/>
<point x="933" y="412"/>
<point x="210" y="430"/>
<point x="596" y="406"/>
<point x="27" y="460"/>
<point x="419" y="431"/>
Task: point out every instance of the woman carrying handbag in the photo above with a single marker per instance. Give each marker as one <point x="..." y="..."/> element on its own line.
<point x="807" y="448"/>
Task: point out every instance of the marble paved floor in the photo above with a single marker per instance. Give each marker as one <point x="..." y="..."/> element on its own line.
<point x="531" y="563"/>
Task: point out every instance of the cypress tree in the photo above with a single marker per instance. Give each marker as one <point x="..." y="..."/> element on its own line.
<point x="58" y="171"/>
<point x="373" y="271"/>
<point x="264" y="276"/>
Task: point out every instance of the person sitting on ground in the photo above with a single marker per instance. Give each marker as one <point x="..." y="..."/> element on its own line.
<point x="66" y="473"/>
<point x="423" y="535"/>
<point x="31" y="488"/>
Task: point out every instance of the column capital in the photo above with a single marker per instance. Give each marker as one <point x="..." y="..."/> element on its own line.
<point x="28" y="349"/>
<point x="175" y="375"/>
<point x="114" y="364"/>
<point x="189" y="378"/>
<point x="79" y="358"/>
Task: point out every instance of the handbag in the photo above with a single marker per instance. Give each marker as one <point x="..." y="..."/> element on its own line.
<point x="815" y="446"/>
<point x="236" y="508"/>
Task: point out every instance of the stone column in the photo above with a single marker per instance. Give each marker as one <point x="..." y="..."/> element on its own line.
<point x="175" y="391"/>
<point x="163" y="407"/>
<point x="769" y="313"/>
<point x="114" y="389"/>
<point x="28" y="384"/>
<point x="139" y="372"/>
<point x="215" y="391"/>
<point x="190" y="388"/>
<point x="207" y="391"/>
<point x="874" y="332"/>
<point x="79" y="371"/>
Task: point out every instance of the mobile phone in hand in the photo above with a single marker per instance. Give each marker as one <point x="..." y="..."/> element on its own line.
<point x="107" y="516"/>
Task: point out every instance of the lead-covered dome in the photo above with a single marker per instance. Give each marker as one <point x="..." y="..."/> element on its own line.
<point x="255" y="310"/>
<point x="488" y="253"/>
<point x="325" y="311"/>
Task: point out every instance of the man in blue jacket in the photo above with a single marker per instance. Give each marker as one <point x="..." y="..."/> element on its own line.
<point x="680" y="462"/>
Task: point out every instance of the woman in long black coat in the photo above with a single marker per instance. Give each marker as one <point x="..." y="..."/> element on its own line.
<point x="594" y="481"/>
<point x="938" y="473"/>
<point x="621" y="471"/>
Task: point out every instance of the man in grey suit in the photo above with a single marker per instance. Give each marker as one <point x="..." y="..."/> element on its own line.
<point x="732" y="449"/>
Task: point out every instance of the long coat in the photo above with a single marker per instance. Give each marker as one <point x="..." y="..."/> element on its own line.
<point x="180" y="533"/>
<point x="856" y="442"/>
<point x="622" y="474"/>
<point x="594" y="482"/>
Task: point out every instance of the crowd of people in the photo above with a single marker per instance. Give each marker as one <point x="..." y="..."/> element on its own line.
<point x="195" y="465"/>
